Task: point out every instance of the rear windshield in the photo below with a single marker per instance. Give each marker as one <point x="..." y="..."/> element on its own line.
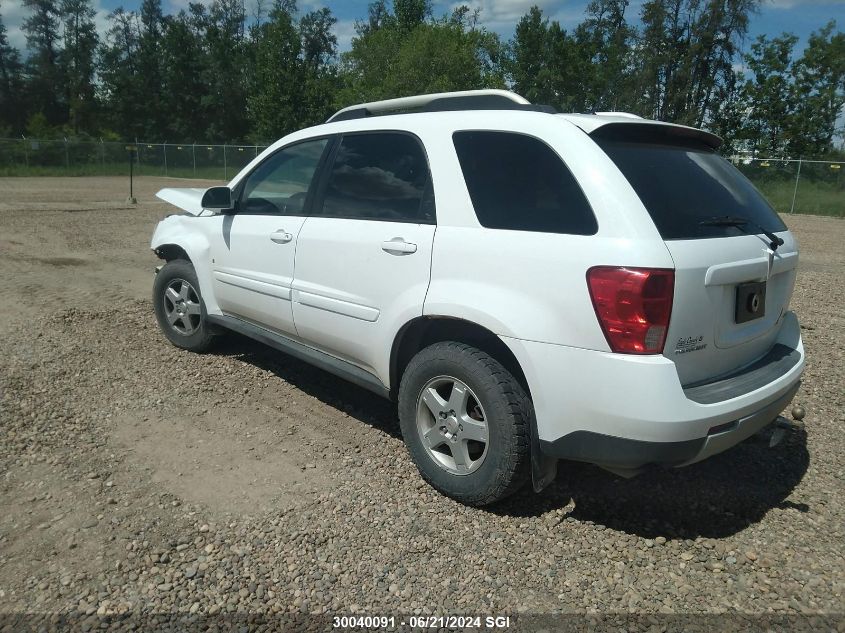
<point x="683" y="183"/>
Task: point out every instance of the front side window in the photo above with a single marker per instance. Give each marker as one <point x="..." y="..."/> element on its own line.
<point x="280" y="184"/>
<point x="519" y="183"/>
<point x="379" y="176"/>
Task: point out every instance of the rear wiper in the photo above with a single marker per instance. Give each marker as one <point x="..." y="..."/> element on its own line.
<point x="740" y="223"/>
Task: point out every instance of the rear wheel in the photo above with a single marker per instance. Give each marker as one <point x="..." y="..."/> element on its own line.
<point x="179" y="308"/>
<point x="465" y="420"/>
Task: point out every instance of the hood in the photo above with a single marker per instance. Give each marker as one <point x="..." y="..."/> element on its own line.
<point x="187" y="199"/>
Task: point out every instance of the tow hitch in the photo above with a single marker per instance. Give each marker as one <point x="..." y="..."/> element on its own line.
<point x="782" y="424"/>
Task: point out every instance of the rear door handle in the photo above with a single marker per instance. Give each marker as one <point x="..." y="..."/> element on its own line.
<point x="281" y="237"/>
<point x="398" y="246"/>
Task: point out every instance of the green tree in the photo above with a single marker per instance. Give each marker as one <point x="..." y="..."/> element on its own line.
<point x="120" y="87"/>
<point x="227" y="73"/>
<point x="769" y="94"/>
<point x="686" y="50"/>
<point x="183" y="69"/>
<point x="585" y="71"/>
<point x="273" y="103"/>
<point x="729" y="120"/>
<point x="603" y="44"/>
<point x="528" y="58"/>
<point x="319" y="57"/>
<point x="11" y="86"/>
<point x="150" y="74"/>
<point x="44" y="78"/>
<point x="378" y="16"/>
<point x="78" y="62"/>
<point x="410" y="14"/>
<point x="393" y="59"/>
<point x="294" y="72"/>
<point x="819" y="82"/>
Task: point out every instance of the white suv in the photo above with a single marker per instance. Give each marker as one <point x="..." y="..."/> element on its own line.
<point x="530" y="286"/>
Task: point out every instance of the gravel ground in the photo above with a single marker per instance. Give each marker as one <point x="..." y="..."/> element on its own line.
<point x="138" y="480"/>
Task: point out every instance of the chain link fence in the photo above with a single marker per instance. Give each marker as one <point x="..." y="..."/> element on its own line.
<point x="33" y="157"/>
<point x="791" y="185"/>
<point x="798" y="185"/>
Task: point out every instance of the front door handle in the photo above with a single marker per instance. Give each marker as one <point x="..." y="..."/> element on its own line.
<point x="281" y="237"/>
<point x="398" y="246"/>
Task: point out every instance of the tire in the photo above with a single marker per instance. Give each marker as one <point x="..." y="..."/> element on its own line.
<point x="176" y="294"/>
<point x="487" y="396"/>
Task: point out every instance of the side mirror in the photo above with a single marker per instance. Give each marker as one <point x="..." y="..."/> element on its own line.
<point x="217" y="198"/>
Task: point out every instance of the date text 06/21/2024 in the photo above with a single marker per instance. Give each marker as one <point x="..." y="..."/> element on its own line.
<point x="421" y="622"/>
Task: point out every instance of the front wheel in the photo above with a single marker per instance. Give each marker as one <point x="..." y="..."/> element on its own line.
<point x="465" y="420"/>
<point x="179" y="307"/>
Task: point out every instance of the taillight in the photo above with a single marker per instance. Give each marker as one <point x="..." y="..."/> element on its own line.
<point x="633" y="306"/>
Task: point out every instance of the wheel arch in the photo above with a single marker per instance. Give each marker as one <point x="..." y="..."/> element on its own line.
<point x="426" y="330"/>
<point x="169" y="252"/>
<point x="423" y="331"/>
<point x="174" y="238"/>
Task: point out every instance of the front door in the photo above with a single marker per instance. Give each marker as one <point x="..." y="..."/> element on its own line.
<point x="363" y="258"/>
<point x="254" y="248"/>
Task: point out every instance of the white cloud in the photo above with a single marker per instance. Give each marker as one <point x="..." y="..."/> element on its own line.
<point x="15" y="13"/>
<point x="344" y="30"/>
<point x="172" y="7"/>
<point x="13" y="16"/>
<point x="502" y="16"/>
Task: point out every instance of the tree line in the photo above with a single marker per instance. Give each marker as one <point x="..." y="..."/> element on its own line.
<point x="219" y="73"/>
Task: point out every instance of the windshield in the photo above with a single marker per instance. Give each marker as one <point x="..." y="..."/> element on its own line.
<point x="683" y="184"/>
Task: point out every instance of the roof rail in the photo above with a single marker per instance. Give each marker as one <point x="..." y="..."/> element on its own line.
<point x="626" y="115"/>
<point x="440" y="102"/>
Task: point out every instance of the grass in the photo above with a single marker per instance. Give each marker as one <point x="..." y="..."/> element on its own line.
<point x="813" y="197"/>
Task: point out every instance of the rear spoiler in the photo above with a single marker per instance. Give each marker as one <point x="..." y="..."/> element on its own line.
<point x="653" y="132"/>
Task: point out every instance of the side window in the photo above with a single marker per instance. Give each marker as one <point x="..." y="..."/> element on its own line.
<point x="517" y="182"/>
<point x="280" y="184"/>
<point x="380" y="176"/>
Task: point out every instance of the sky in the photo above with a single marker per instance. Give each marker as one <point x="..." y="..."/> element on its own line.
<point x="800" y="17"/>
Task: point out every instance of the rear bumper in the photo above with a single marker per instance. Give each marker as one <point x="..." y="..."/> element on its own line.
<point x="627" y="411"/>
<point x="624" y="453"/>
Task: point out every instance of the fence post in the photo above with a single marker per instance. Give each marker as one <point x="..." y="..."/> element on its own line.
<point x="795" y="191"/>
<point x="102" y="153"/>
<point x="194" y="155"/>
<point x="25" y="151"/>
<point x="67" y="156"/>
<point x="225" y="169"/>
<point x="165" y="158"/>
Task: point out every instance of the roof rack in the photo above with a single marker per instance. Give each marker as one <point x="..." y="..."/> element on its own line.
<point x="626" y="115"/>
<point x="441" y="102"/>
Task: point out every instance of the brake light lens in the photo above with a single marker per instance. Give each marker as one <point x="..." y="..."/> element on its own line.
<point x="633" y="306"/>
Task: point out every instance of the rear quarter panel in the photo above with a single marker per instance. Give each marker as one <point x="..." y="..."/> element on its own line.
<point x="529" y="285"/>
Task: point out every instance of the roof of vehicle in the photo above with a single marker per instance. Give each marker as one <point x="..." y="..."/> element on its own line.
<point x="506" y="102"/>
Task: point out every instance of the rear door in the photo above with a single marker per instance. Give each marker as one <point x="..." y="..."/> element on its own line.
<point x="363" y="259"/>
<point x="733" y="283"/>
<point x="253" y="249"/>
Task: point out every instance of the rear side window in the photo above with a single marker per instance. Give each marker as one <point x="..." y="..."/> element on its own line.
<point x="380" y="176"/>
<point x="683" y="184"/>
<point x="517" y="182"/>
